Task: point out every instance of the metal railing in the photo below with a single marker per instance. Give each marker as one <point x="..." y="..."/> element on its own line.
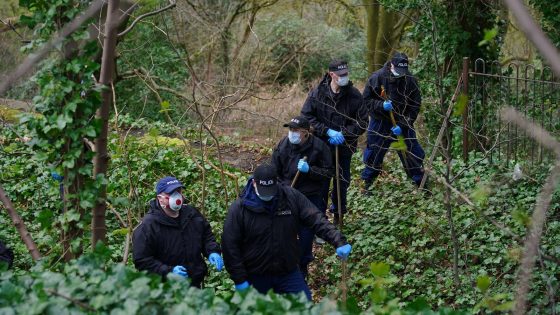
<point x="490" y="86"/>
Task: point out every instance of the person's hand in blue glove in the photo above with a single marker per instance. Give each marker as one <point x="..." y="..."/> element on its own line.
<point x="181" y="271"/>
<point x="336" y="137"/>
<point x="396" y="130"/>
<point x="388" y="105"/>
<point x="344" y="251"/>
<point x="303" y="166"/>
<point x="57" y="176"/>
<point x="216" y="260"/>
<point x="242" y="286"/>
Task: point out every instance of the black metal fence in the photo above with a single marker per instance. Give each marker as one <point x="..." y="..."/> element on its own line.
<point x="531" y="89"/>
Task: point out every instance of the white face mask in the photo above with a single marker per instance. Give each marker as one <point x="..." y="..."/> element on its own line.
<point x="176" y="201"/>
<point x="343" y="81"/>
<point x="294" y="137"/>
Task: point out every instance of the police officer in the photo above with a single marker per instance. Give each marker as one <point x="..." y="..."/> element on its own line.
<point x="174" y="237"/>
<point x="260" y="235"/>
<point x="392" y="89"/>
<point x="336" y="112"/>
<point x="6" y="255"/>
<point x="302" y="152"/>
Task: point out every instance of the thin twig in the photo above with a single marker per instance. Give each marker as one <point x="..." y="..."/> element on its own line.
<point x="171" y="4"/>
<point x="71" y="299"/>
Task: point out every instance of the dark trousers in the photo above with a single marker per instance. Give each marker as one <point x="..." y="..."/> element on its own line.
<point x="306" y="235"/>
<point x="344" y="160"/>
<point x="293" y="283"/>
<point x="379" y="138"/>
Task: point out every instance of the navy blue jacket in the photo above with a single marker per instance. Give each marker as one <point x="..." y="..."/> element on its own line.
<point x="261" y="238"/>
<point x="321" y="168"/>
<point x="403" y="92"/>
<point x="343" y="111"/>
<point x="6" y="255"/>
<point x="161" y="242"/>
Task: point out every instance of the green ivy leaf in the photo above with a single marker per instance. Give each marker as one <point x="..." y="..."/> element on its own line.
<point x="461" y="105"/>
<point x="379" y="269"/>
<point x="483" y="283"/>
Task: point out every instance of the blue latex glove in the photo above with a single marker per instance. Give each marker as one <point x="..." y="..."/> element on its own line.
<point x="181" y="271"/>
<point x="302" y="166"/>
<point x="344" y="251"/>
<point x="57" y="176"/>
<point x="242" y="286"/>
<point x="388" y="105"/>
<point x="336" y="137"/>
<point x="216" y="260"/>
<point x="396" y="130"/>
<point x="331" y="133"/>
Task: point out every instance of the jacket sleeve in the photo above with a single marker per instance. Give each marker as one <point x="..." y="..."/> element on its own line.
<point x="6" y="255"/>
<point x="309" y="110"/>
<point x="143" y="252"/>
<point x="360" y="120"/>
<point x="232" y="240"/>
<point x="373" y="102"/>
<point x="317" y="221"/>
<point x="325" y="170"/>
<point x="210" y="244"/>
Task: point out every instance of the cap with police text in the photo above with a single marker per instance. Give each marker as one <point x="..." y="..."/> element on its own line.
<point x="299" y="122"/>
<point x="338" y="66"/>
<point x="400" y="61"/>
<point x="266" y="178"/>
<point x="168" y="185"/>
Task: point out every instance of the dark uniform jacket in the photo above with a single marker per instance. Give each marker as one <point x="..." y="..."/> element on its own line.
<point x="6" y="255"/>
<point x="260" y="238"/>
<point x="321" y="168"/>
<point x="403" y="92"/>
<point x="161" y="242"/>
<point x="343" y="111"/>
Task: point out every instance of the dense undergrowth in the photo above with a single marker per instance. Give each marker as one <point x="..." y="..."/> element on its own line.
<point x="402" y="251"/>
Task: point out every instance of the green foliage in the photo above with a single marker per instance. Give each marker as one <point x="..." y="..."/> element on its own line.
<point x="91" y="286"/>
<point x="300" y="50"/>
<point x="67" y="101"/>
<point x="147" y="47"/>
<point x="410" y="232"/>
<point x="549" y="19"/>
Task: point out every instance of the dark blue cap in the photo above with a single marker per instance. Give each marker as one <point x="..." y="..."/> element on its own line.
<point x="168" y="185"/>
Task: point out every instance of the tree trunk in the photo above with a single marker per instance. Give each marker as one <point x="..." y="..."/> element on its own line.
<point x="372" y="12"/>
<point x="101" y="160"/>
<point x="20" y="226"/>
<point x="383" y="44"/>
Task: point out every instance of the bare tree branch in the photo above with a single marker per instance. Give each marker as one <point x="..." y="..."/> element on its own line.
<point x="533" y="239"/>
<point x="535" y="34"/>
<point x="171" y="4"/>
<point x="20" y="226"/>
<point x="34" y="58"/>
<point x="509" y="114"/>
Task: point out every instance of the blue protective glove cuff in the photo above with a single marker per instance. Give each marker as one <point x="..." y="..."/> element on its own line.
<point x="388" y="105"/>
<point x="216" y="260"/>
<point x="397" y="131"/>
<point x="303" y="166"/>
<point x="181" y="271"/>
<point x="242" y="286"/>
<point x="344" y="251"/>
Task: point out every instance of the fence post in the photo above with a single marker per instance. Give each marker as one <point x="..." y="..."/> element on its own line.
<point x="465" y="91"/>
